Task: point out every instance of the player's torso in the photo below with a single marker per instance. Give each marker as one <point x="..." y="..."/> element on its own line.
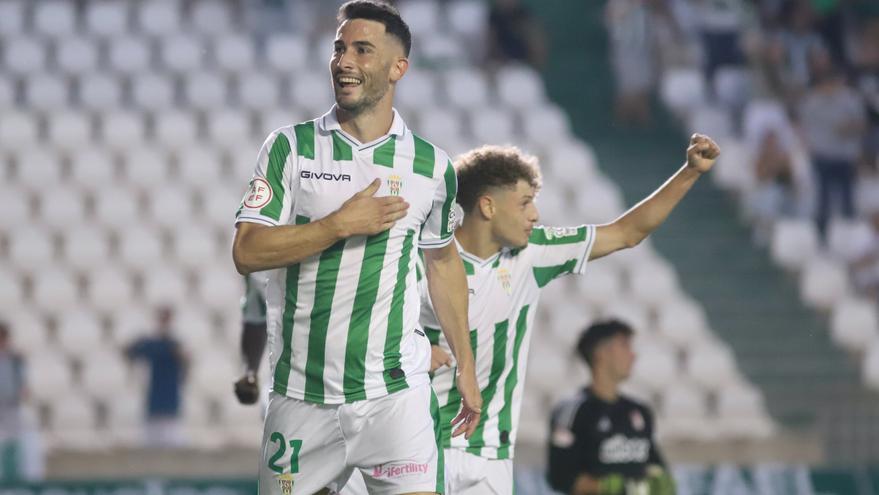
<point x="618" y="436"/>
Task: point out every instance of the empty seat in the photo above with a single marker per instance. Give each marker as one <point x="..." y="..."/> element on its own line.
<point x="235" y="54"/>
<point x="164" y="285"/>
<point x="7" y="94"/>
<point x="105" y="374"/>
<point x="492" y="125"/>
<point x="86" y="248"/>
<point x="734" y="169"/>
<point x="171" y="205"/>
<point x="849" y="240"/>
<point x="146" y="168"/>
<point x="213" y="373"/>
<point x="117" y="208"/>
<point x="73" y="425"/>
<point x="100" y="92"/>
<point x="466" y="88"/>
<point x="743" y="413"/>
<point x="630" y="312"/>
<point x="205" y="90"/>
<point x="519" y="86"/>
<point x="77" y="56"/>
<point x="131" y="323"/>
<point x="601" y="286"/>
<point x="54" y="18"/>
<point x="733" y="86"/>
<point x="18" y="129"/>
<point x="92" y="169"/>
<point x="46" y="92"/>
<point x="547" y="125"/>
<point x="31" y="248"/>
<point x="17" y="206"/>
<point x="422" y="16"/>
<point x="467" y="18"/>
<point x="227" y="126"/>
<point x="11" y="290"/>
<point x="106" y="18"/>
<point x="286" y="53"/>
<point x="153" y="92"/>
<point x="823" y="283"/>
<point x="181" y="53"/>
<point x="599" y="201"/>
<point x="55" y="290"/>
<point x="441" y="124"/>
<point x="219" y="287"/>
<point x="28" y="328"/>
<point x="141" y="248"/>
<point x="125" y="414"/>
<point x="194" y="328"/>
<point x="69" y="131"/>
<point x="793" y="243"/>
<point x="682" y="89"/>
<point x="711" y="365"/>
<point x="175" y="130"/>
<point x="200" y="169"/>
<point x="258" y="92"/>
<point x="418" y="87"/>
<point x="49" y="375"/>
<point x="684" y="413"/>
<point x="195" y="246"/>
<point x="682" y="322"/>
<point x="220" y="207"/>
<point x="210" y="17"/>
<point x="61" y="208"/>
<point x="130" y="56"/>
<point x="655" y="369"/>
<point x="242" y="423"/>
<point x="312" y="91"/>
<point x="122" y="131"/>
<point x="159" y="18"/>
<point x="712" y="121"/>
<point x="110" y="288"/>
<point x="854" y="323"/>
<point x="573" y="156"/>
<point x="654" y="284"/>
<point x="24" y="56"/>
<point x="441" y="50"/>
<point x="80" y="333"/>
<point x="12" y="18"/>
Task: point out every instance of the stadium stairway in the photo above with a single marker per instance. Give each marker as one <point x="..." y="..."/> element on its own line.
<point x="811" y="386"/>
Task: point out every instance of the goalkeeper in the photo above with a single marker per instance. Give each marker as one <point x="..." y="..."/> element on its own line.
<point x="602" y="442"/>
<point x="253" y="337"/>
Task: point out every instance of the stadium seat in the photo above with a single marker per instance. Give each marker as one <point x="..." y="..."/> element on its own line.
<point x="210" y="18"/>
<point x="311" y="91"/>
<point x="45" y="92"/>
<point x="69" y="131"/>
<point x="286" y="53"/>
<point x="762" y="115"/>
<point x="711" y="365"/>
<point x="520" y="87"/>
<point x="131" y="323"/>
<point x="794" y="242"/>
<point x="213" y="373"/>
<point x="219" y="208"/>
<point x="442" y="124"/>
<point x="18" y="129"/>
<point x="227" y="126"/>
<point x="130" y="56"/>
<point x="235" y="54"/>
<point x="17" y="205"/>
<point x="73" y="425"/>
<point x="547" y="125"/>
<point x="195" y="246"/>
<point x="601" y="286"/>
<point x="152" y="92"/>
<point x="141" y="248"/>
<point x="27" y="326"/>
<point x="654" y="284"/>
<point x="199" y="424"/>
<point x="24" y="56"/>
<point x="7" y="94"/>
<point x="743" y="413"/>
<point x="492" y="125"/>
<point x="164" y="285"/>
<point x="86" y="248"/>
<point x="683" y="402"/>
<point x="125" y="418"/>
<point x="467" y="18"/>
<point x="92" y="169"/>
<point x="418" y="89"/>
<point x="823" y="283"/>
<point x="31" y="248"/>
<point x="682" y="323"/>
<point x="48" y="375"/>
<point x="849" y="241"/>
<point x="441" y="50"/>
<point x="533" y="421"/>
<point x="122" y="131"/>
<point x="55" y="289"/>
<point x="61" y="207"/>
<point x="716" y="122"/>
<point x="201" y="169"/>
<point x="106" y="19"/>
<point x="54" y="18"/>
<point x="422" y="16"/>
<point x="220" y="287"/>
<point x="628" y="311"/>
<point x="733" y="87"/>
<point x="12" y="18"/>
<point x="655" y="368"/>
<point x="11" y="290"/>
<point x="175" y="130"/>
<point x="682" y="89"/>
<point x="159" y="19"/>
<point x="110" y="288"/>
<point x="547" y="370"/>
<point x="117" y="208"/>
<point x="146" y="168"/>
<point x="242" y="424"/>
<point x="572" y="156"/>
<point x="105" y="374"/>
<point x="466" y="88"/>
<point x="171" y="205"/>
<point x="100" y="92"/>
<point x="854" y="323"/>
<point x="599" y="201"/>
<point x="259" y="92"/>
<point x="80" y="334"/>
<point x="205" y="90"/>
<point x="734" y="169"/>
<point x="181" y="53"/>
<point x="77" y="56"/>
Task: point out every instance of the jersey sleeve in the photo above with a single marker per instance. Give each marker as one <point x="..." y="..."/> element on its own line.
<point x="427" y="318"/>
<point x="437" y="230"/>
<point x="269" y="196"/>
<point x="559" y="251"/>
<point x="567" y="450"/>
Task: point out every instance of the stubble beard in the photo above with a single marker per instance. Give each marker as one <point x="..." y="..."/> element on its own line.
<point x="366" y="103"/>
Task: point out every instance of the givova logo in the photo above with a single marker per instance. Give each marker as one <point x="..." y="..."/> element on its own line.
<point x="306" y="174"/>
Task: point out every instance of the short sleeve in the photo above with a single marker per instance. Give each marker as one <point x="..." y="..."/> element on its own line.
<point x="441" y="221"/>
<point x="269" y="196"/>
<point x="427" y="318"/>
<point x="559" y="251"/>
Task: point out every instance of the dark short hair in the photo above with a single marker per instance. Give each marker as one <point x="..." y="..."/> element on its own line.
<point x="493" y="166"/>
<point x="385" y="13"/>
<point x="597" y="333"/>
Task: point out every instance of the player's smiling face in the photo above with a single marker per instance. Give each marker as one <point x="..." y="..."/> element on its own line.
<point x="366" y="61"/>
<point x="515" y="214"/>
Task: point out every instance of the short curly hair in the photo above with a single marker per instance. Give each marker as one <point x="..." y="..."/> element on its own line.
<point x="493" y="166"/>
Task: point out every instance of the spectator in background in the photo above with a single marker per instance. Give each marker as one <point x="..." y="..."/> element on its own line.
<point x="631" y="37"/>
<point x="776" y="193"/>
<point x="867" y="83"/>
<point x="720" y="23"/>
<point x="12" y="395"/>
<point x="793" y="47"/>
<point x="833" y="122"/>
<point x="866" y="267"/>
<point x="601" y="442"/>
<point x="514" y="34"/>
<point x="168" y="364"/>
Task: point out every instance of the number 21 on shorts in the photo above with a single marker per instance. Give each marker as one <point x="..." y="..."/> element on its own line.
<point x="295" y="447"/>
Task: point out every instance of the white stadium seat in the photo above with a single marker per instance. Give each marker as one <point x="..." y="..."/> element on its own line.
<point x="12" y="18"/>
<point x="682" y="89"/>
<point x="11" y="290"/>
<point x="467" y="18"/>
<point x="599" y="201"/>
<point x="205" y="90"/>
<point x="220" y="287"/>
<point x="106" y="18"/>
<point x="80" y="334"/>
<point x="794" y="242"/>
<point x="146" y="168"/>
<point x="743" y="413"/>
<point x="711" y="365"/>
<point x="654" y="284"/>
<point x="163" y="285"/>
<point x="24" y="56"/>
<point x="440" y="50"/>
<point x="171" y="205"/>
<point x="854" y="323"/>
<point x="200" y="430"/>
<point x="92" y="169"/>
<point x="601" y="286"/>
<point x="105" y="375"/>
<point x="123" y="131"/>
<point x="175" y="130"/>
<point x="69" y="131"/>
<point x="213" y="373"/>
<point x="86" y="248"/>
<point x="31" y="248"/>
<point x="629" y="311"/>
<point x="849" y="241"/>
<point x="28" y="330"/>
<point x="181" y="53"/>
<point x="17" y="205"/>
<point x="77" y="56"/>
<point x="734" y="169"/>
<point x="61" y="208"/>
<point x="655" y="368"/>
<point x="421" y="15"/>
<point x="466" y="88"/>
<point x="159" y="18"/>
<point x="18" y="129"/>
<point x="684" y="411"/>
<point x="418" y="89"/>
<point x="100" y="92"/>
<point x="110" y="288"/>
<point x="311" y="91"/>
<point x="116" y="207"/>
<point x="716" y="122"/>
<point x="259" y="91"/>
<point x="130" y="322"/>
<point x="220" y="207"/>
<point x="195" y="246"/>
<point x="573" y="156"/>
<point x="194" y="329"/>
<point x="546" y="125"/>
<point x="733" y="86"/>
<point x="46" y="92"/>
<point x="153" y="92"/>
<point x="7" y="94"/>
<point x="55" y="290"/>
<point x="49" y="375"/>
<point x="125" y="414"/>
<point x="129" y="56"/>
<point x="286" y="53"/>
<point x="243" y="424"/>
<point x="228" y="126"/>
<point x="235" y="54"/>
<point x="823" y="283"/>
<point x="73" y="424"/>
<point x="682" y="322"/>
<point x="141" y="248"/>
<point x="210" y="17"/>
<point x="492" y="125"/>
<point x="54" y="18"/>
<point x="520" y="86"/>
<point x="442" y="124"/>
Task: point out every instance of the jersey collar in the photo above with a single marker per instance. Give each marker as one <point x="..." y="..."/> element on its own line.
<point x="476" y="260"/>
<point x="329" y="122"/>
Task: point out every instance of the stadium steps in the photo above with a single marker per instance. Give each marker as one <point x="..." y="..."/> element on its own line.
<point x="810" y="385"/>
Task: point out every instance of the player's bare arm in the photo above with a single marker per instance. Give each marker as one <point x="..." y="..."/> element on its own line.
<point x="260" y="247"/>
<point x="447" y="286"/>
<point x="636" y="224"/>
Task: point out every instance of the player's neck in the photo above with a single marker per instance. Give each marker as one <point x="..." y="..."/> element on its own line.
<point x="371" y="123"/>
<point x="604" y="387"/>
<point x="476" y="240"/>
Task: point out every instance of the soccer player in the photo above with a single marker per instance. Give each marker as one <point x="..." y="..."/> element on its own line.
<point x="508" y="259"/>
<point x="337" y="209"/>
<point x="601" y="442"/>
<point x="253" y="337"/>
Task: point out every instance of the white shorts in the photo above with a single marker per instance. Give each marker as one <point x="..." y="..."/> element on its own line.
<point x="391" y="440"/>
<point x="466" y="474"/>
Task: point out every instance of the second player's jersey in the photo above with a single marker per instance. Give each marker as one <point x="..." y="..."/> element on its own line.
<point x="504" y="292"/>
<point x="342" y="323"/>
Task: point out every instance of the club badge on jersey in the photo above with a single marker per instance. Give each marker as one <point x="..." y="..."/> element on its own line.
<point x="504" y="277"/>
<point x="395" y="184"/>
<point x="286" y="483"/>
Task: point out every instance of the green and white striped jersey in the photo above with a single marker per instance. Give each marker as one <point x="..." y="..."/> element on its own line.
<point x="342" y="323"/>
<point x="504" y="292"/>
<point x="253" y="302"/>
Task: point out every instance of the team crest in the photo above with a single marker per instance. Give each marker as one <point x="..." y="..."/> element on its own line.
<point x="395" y="183"/>
<point x="258" y="195"/>
<point x="503" y="276"/>
<point x="286" y="482"/>
<point x="637" y="420"/>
